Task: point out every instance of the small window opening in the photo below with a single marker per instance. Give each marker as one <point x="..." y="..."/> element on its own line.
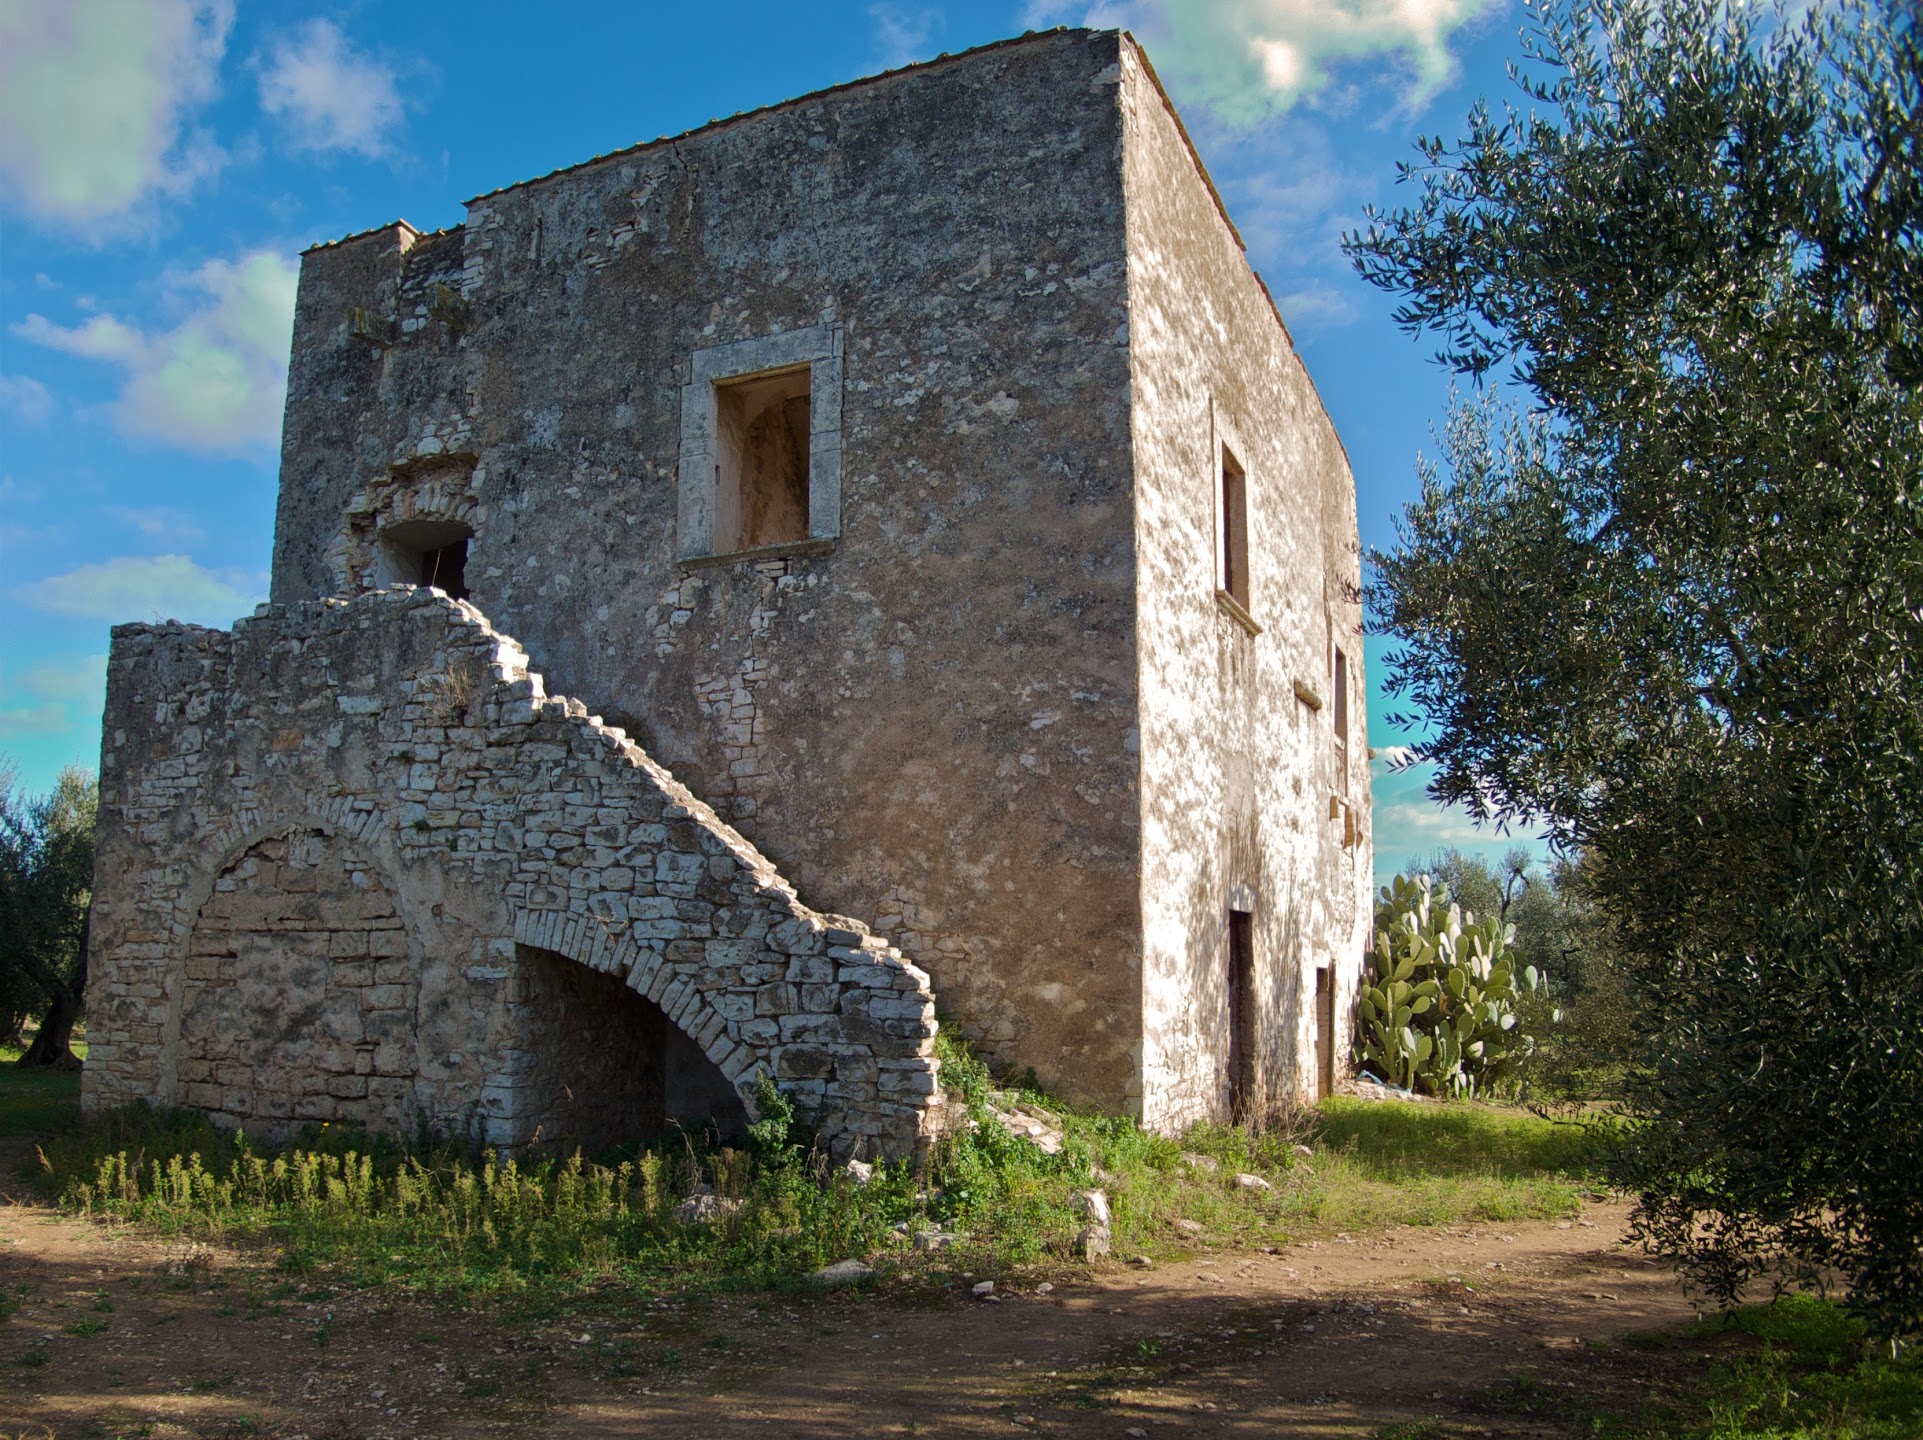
<point x="1241" y="1014"/>
<point x="761" y="461"/>
<point x="426" y="552"/>
<point x="1339" y="683"/>
<point x="1234" y="508"/>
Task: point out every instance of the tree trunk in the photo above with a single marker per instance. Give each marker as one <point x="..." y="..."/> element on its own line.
<point x="53" y="1043"/>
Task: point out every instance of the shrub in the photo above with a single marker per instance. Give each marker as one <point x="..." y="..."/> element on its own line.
<point x="1439" y="1012"/>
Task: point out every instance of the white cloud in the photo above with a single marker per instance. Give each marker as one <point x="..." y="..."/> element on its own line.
<point x="215" y="383"/>
<point x="1408" y="826"/>
<point x="332" y="95"/>
<point x="79" y="678"/>
<point x="19" y="721"/>
<point x="1315" y="307"/>
<point x="162" y="525"/>
<point x="95" y="96"/>
<point x="147" y="587"/>
<point x="47" y="699"/>
<point x="905" y="33"/>
<point x="1247" y="60"/>
<point x="25" y="399"/>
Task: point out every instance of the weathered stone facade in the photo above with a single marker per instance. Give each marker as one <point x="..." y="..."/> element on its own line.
<point x="347" y="842"/>
<point x="864" y="458"/>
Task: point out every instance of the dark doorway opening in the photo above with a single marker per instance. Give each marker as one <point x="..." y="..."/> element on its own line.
<point x="427" y="552"/>
<point x="606" y="1067"/>
<point x="1324" y="1032"/>
<point x="1241" y="1015"/>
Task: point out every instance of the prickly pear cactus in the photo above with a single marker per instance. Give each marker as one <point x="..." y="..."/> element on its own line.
<point x="1438" y="1011"/>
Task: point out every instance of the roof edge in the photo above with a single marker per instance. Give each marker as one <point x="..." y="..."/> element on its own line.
<point x="1027" y="37"/>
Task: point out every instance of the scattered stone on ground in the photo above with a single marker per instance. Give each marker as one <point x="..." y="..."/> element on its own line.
<point x="1028" y="1120"/>
<point x="843" y="1272"/>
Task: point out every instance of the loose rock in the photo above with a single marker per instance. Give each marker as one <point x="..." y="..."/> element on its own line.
<point x="842" y="1272"/>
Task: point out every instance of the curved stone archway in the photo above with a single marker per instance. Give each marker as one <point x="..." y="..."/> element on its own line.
<point x="297" y="1001"/>
<point x="499" y="818"/>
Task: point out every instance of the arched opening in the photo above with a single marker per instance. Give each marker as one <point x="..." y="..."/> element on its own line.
<point x="604" y="1066"/>
<point x="425" y="552"/>
<point x="299" y="1000"/>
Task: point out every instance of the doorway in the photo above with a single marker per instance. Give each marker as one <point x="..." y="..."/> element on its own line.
<point x="1241" y="1016"/>
<point x="1324" y="1032"/>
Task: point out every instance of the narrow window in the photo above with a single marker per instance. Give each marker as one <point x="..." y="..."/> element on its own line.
<point x="1339" y="683"/>
<point x="1241" y="1014"/>
<point x="1234" y="511"/>
<point x="1324" y="1032"/>
<point x="761" y="460"/>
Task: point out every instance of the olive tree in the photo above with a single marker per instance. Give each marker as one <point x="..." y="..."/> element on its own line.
<point x="46" y="883"/>
<point x="1664" y="592"/>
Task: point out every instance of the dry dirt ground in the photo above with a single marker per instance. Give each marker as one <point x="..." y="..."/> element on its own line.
<point x="112" y="1333"/>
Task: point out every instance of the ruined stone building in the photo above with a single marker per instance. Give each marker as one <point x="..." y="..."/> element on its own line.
<point x="924" y="509"/>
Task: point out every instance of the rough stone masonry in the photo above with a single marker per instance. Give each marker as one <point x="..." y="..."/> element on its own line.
<point x="916" y="470"/>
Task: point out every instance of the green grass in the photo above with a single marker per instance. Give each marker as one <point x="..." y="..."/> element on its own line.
<point x="1800" y="1368"/>
<point x="441" y="1218"/>
<point x="1813" y="1376"/>
<point x="37" y="1101"/>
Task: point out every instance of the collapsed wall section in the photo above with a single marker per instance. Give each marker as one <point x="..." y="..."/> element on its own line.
<point x="341" y="847"/>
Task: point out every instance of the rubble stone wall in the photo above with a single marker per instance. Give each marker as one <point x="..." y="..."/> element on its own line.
<point x="1243" y="803"/>
<point x="926" y="710"/>
<point x="334" y="840"/>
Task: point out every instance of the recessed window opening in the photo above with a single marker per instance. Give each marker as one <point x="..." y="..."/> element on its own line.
<point x="761" y="460"/>
<point x="426" y="552"/>
<point x="1241" y="1014"/>
<point x="1339" y="683"/>
<point x="1233" y="508"/>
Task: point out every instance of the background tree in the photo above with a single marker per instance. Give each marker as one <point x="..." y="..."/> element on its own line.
<point x="46" y="884"/>
<point x="1675" y="608"/>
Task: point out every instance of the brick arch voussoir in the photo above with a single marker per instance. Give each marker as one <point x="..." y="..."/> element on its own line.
<point x="687" y="1007"/>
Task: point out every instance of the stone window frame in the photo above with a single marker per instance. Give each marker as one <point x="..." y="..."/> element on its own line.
<point x="819" y="347"/>
<point x="1224" y="434"/>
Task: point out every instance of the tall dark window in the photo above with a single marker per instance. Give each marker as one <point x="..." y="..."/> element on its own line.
<point x="1233" y="505"/>
<point x="1339" y="683"/>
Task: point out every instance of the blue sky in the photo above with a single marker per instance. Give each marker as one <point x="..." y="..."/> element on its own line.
<point x="163" y="162"/>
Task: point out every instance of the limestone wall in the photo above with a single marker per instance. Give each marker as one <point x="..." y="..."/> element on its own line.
<point x="341" y="847"/>
<point x="926" y="713"/>
<point x="1242" y="803"/>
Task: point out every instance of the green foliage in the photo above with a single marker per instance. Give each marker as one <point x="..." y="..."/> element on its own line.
<point x="1438" y="1012"/>
<point x="34" y="1101"/>
<point x="1813" y="1377"/>
<point x="46" y="880"/>
<point x="1673" y="608"/>
<point x="440" y="1218"/>
<point x="1581" y="1017"/>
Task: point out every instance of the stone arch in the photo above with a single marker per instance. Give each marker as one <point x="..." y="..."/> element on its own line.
<point x="360" y="826"/>
<point x="421" y="494"/>
<point x="597" y="1065"/>
<point x="297" y="996"/>
<point x="646" y="973"/>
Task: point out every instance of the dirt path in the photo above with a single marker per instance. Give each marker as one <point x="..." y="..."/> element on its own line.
<point x="117" y="1334"/>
